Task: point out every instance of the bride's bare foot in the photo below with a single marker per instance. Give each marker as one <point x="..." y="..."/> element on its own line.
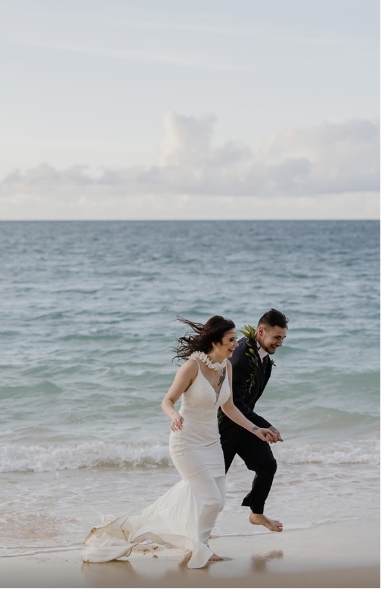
<point x="259" y="519"/>
<point x="215" y="557"/>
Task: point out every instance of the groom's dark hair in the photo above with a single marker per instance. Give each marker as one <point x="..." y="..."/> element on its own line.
<point x="274" y="318"/>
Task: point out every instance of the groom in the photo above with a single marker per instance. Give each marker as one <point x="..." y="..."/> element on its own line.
<point x="251" y="372"/>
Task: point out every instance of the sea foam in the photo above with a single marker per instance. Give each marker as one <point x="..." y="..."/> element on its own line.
<point x="103" y="455"/>
<point x="21" y="458"/>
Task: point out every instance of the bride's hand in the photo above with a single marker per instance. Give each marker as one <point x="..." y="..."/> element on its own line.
<point x="177" y="422"/>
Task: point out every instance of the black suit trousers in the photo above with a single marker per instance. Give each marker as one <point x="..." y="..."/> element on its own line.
<point x="257" y="456"/>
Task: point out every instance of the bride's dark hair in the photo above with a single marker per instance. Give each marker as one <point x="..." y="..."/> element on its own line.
<point x="201" y="336"/>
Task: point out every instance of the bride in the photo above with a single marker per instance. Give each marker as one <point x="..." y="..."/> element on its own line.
<point x="185" y="515"/>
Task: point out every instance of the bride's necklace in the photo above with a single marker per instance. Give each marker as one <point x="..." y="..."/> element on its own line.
<point x="205" y="358"/>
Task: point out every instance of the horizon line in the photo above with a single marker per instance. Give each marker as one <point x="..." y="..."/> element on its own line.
<point x="176" y="220"/>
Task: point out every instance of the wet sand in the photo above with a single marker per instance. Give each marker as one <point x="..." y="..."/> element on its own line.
<point x="334" y="555"/>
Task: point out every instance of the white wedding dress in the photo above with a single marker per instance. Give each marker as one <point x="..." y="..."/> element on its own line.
<point x="185" y="515"/>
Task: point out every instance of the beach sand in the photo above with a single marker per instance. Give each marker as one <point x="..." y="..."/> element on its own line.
<point x="333" y="555"/>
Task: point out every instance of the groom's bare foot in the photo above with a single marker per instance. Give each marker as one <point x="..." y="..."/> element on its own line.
<point x="259" y="519"/>
<point x="215" y="557"/>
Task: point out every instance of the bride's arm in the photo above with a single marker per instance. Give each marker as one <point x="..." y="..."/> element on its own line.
<point x="235" y="415"/>
<point x="185" y="375"/>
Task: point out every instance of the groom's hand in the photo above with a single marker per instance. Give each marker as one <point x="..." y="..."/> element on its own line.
<point x="277" y="433"/>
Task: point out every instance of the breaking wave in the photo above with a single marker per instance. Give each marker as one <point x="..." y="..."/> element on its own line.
<point x="45" y="458"/>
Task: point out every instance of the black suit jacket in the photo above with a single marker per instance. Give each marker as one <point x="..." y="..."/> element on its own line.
<point x="244" y="400"/>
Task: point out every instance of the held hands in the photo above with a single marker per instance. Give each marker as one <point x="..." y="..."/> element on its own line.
<point x="267" y="435"/>
<point x="277" y="433"/>
<point x="176" y="422"/>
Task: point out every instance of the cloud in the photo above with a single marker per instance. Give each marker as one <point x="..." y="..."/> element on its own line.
<point x="342" y="157"/>
<point x="325" y="159"/>
<point x="138" y="56"/>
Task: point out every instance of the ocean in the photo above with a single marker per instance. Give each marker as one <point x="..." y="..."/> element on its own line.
<point x="88" y="323"/>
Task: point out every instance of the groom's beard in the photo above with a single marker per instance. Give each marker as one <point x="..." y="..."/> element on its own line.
<point x="269" y="350"/>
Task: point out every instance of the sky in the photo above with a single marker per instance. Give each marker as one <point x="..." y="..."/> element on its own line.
<point x="189" y="109"/>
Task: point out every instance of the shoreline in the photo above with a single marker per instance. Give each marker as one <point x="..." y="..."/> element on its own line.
<point x="343" y="554"/>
